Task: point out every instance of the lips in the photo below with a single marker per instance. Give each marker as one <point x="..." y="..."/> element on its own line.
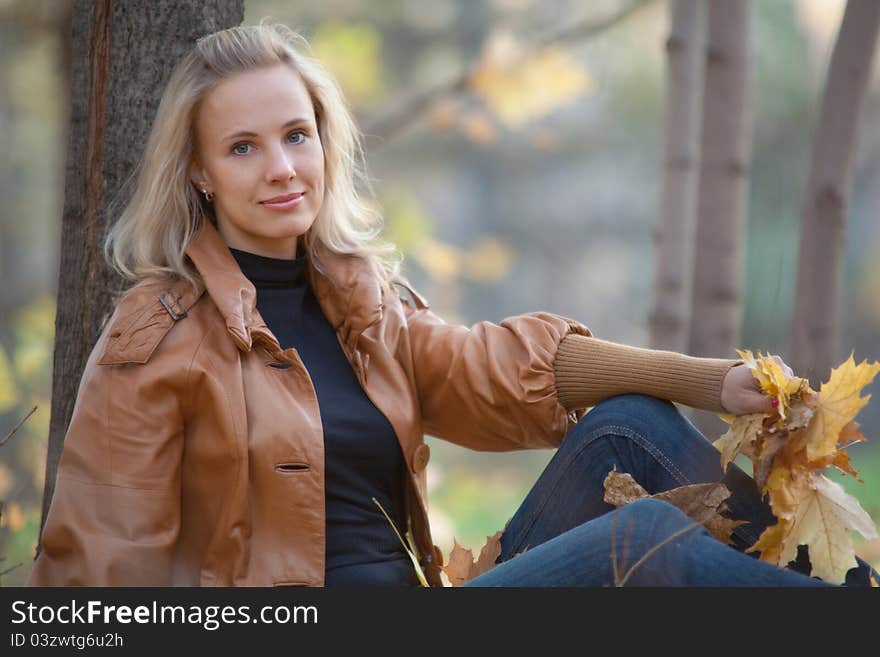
<point x="282" y="199"/>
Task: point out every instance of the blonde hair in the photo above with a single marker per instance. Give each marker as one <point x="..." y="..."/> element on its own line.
<point x="165" y="210"/>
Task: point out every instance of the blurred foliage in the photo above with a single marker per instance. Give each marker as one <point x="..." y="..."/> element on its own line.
<point x="519" y="86"/>
<point x="536" y="189"/>
<point x="353" y="54"/>
<point x="23" y="457"/>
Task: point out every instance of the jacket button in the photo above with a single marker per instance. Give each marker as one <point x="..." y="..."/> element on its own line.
<point x="420" y="457"/>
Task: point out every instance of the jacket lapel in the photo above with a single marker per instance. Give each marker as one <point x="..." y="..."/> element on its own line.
<point x="348" y="293"/>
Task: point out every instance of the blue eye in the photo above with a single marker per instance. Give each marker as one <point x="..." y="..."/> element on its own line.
<point x="299" y="136"/>
<point x="235" y="146"/>
<point x="298" y="133"/>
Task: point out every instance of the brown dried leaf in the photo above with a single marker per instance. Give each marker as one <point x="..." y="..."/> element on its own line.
<point x="459" y="564"/>
<point x="488" y="554"/>
<point x="701" y="502"/>
<point x="722" y="527"/>
<point x="697" y="500"/>
<point x="621" y="488"/>
<point x="850" y="434"/>
<point x="462" y="568"/>
<point x="704" y="504"/>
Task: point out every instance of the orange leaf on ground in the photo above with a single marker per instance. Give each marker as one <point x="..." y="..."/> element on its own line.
<point x="461" y="567"/>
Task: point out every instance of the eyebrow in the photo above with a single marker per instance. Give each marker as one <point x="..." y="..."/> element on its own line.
<point x="246" y="133"/>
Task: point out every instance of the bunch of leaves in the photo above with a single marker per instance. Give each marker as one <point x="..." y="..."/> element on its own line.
<point x="806" y="432"/>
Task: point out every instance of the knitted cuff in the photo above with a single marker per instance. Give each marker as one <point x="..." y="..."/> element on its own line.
<point x="589" y="370"/>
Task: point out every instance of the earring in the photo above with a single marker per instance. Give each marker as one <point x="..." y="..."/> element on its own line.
<point x="208" y="195"/>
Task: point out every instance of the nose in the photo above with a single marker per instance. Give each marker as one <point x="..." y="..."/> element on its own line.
<point x="279" y="166"/>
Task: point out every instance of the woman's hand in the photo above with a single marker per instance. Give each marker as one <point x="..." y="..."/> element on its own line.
<point x="741" y="392"/>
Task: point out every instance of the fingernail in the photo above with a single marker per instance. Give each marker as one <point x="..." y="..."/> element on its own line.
<point x="774" y="403"/>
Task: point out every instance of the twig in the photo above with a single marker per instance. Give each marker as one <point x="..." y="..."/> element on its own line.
<point x="614" y="569"/>
<point x="403" y="112"/>
<point x="586" y="29"/>
<point x="17" y="427"/>
<point x="421" y="575"/>
<point x="654" y="549"/>
<point x="9" y="570"/>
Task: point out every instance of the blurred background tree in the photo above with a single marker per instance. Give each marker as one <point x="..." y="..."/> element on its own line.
<point x="509" y="192"/>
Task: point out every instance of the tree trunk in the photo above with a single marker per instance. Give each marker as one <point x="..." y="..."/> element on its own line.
<point x="815" y="320"/>
<point x="723" y="194"/>
<point x="674" y="236"/>
<point x="122" y="55"/>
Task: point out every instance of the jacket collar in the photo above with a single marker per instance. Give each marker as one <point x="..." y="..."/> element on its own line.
<point x="349" y="294"/>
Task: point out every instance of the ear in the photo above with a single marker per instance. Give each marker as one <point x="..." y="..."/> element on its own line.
<point x="197" y="175"/>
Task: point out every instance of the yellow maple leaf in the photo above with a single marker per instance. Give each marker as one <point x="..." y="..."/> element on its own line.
<point x="774" y="382"/>
<point x="786" y="487"/>
<point x="743" y="429"/>
<point x="824" y="518"/>
<point x="838" y="403"/>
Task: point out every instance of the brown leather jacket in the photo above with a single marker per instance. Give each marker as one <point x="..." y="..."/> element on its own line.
<point x="195" y="453"/>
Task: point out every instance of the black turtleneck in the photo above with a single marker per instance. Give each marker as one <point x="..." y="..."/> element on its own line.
<point x="362" y="457"/>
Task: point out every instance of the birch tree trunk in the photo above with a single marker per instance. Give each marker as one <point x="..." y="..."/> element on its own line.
<point x="674" y="235"/>
<point x="122" y="54"/>
<point x="816" y="316"/>
<point x="723" y="193"/>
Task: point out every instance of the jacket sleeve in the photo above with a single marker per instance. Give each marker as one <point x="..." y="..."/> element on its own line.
<point x="490" y="387"/>
<point x="115" y="513"/>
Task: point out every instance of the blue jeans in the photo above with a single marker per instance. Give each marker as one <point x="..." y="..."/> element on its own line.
<point x="563" y="533"/>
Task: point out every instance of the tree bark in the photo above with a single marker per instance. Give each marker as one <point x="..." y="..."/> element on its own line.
<point x="815" y="319"/>
<point x="723" y="193"/>
<point x="674" y="235"/>
<point x="122" y="55"/>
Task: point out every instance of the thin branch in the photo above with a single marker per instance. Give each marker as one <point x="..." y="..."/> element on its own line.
<point x="614" y="569"/>
<point x="654" y="549"/>
<point x="9" y="570"/>
<point x="17" y="426"/>
<point x="401" y="113"/>
<point x="587" y="29"/>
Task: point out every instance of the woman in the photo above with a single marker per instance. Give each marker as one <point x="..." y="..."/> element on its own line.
<point x="263" y="380"/>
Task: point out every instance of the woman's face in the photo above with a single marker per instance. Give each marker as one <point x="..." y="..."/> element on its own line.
<point x="258" y="140"/>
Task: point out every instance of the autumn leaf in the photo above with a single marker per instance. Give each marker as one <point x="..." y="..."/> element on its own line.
<point x="743" y="429"/>
<point x="704" y="503"/>
<point x="621" y="488"/>
<point x="458" y="566"/>
<point x="773" y="381"/>
<point x="461" y="567"/>
<point x="701" y="502"/>
<point x="823" y="517"/>
<point x="838" y="403"/>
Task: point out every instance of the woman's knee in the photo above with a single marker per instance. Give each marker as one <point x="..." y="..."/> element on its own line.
<point x="651" y="522"/>
<point x="624" y="415"/>
<point x="635" y="405"/>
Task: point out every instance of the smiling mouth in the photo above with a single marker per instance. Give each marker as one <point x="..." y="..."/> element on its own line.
<point x="280" y="200"/>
